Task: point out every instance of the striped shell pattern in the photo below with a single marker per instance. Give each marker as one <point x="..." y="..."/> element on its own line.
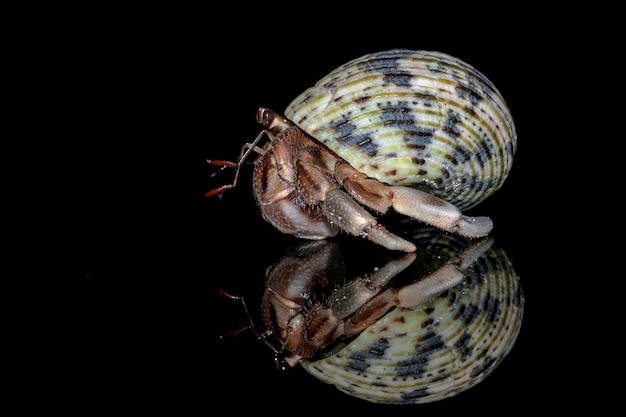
<point x="416" y="118"/>
<point x="438" y="349"/>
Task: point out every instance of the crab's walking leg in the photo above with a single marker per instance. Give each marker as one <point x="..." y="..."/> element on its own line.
<point x="343" y="211"/>
<point x="437" y="212"/>
<point x="414" y="203"/>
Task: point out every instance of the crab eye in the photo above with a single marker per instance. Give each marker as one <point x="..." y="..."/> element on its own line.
<point x="265" y="117"/>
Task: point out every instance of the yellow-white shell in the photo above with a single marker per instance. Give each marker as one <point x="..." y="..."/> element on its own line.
<point x="440" y="348"/>
<point x="416" y="118"/>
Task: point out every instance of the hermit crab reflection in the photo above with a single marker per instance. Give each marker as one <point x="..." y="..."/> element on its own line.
<point x="421" y="327"/>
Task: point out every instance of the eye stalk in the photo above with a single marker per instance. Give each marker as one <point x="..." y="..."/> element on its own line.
<point x="264" y="117"/>
<point x="272" y="121"/>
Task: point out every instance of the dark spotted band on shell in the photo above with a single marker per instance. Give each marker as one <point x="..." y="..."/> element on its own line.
<point x="417" y="118"/>
<point x="438" y="349"/>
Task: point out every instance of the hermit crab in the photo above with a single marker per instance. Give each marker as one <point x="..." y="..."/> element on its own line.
<point x="418" y="328"/>
<point x="419" y="132"/>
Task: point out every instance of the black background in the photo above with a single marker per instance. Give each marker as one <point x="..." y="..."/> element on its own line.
<point x="149" y="97"/>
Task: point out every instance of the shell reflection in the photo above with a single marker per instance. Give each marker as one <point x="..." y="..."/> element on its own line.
<point x="391" y="351"/>
<point x="437" y="349"/>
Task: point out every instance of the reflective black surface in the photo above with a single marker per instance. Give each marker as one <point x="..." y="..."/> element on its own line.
<point x="143" y="324"/>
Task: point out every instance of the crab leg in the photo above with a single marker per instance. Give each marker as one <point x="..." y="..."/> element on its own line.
<point x="339" y="208"/>
<point x="351" y="217"/>
<point x="411" y="202"/>
<point x="437" y="212"/>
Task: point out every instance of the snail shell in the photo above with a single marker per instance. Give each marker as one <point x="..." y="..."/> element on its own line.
<point x="417" y="118"/>
<point x="437" y="349"/>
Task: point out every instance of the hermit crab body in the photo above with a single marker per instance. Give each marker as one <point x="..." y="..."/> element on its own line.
<point x="421" y="133"/>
